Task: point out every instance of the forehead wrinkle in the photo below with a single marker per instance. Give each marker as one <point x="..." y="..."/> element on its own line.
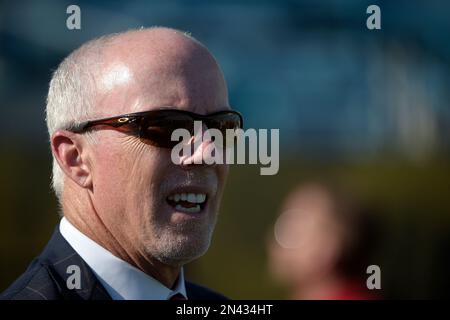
<point x="201" y="92"/>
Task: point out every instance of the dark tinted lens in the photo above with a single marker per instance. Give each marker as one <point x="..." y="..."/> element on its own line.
<point x="224" y="122"/>
<point x="157" y="129"/>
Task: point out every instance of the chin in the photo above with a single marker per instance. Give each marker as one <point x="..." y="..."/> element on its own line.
<point x="177" y="250"/>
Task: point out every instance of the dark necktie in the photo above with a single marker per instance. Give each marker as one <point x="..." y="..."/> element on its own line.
<point x="178" y="296"/>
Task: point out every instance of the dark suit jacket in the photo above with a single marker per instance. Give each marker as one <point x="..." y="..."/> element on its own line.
<point x="46" y="278"/>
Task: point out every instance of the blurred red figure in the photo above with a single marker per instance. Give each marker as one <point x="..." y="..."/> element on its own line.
<point x="321" y="245"/>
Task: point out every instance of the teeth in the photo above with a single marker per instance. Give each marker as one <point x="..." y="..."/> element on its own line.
<point x="189" y="197"/>
<point x="201" y="198"/>
<point x="192" y="198"/>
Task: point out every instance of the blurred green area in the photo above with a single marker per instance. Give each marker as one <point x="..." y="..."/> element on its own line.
<point x="413" y="201"/>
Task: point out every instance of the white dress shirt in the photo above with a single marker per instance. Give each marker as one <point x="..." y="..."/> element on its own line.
<point x="121" y="280"/>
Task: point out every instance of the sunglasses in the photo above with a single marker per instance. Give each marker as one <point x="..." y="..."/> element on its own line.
<point x="155" y="127"/>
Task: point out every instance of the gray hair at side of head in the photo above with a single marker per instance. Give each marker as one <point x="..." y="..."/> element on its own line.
<point x="71" y="95"/>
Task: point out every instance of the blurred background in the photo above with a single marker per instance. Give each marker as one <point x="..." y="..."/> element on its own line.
<point x="367" y="108"/>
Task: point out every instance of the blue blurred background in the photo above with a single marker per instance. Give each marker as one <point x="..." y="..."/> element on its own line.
<point x="367" y="107"/>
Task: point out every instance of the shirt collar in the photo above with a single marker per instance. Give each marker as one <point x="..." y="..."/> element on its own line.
<point x="121" y="280"/>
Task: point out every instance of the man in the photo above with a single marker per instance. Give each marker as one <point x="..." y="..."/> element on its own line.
<point x="131" y="217"/>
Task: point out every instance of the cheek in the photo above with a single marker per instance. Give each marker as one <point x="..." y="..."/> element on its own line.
<point x="125" y="172"/>
<point x="222" y="173"/>
<point x="145" y="174"/>
<point x="109" y="171"/>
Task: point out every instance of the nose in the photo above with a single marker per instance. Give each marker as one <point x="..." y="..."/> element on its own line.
<point x="200" y="147"/>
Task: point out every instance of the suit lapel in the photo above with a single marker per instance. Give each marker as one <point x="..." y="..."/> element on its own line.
<point x="58" y="256"/>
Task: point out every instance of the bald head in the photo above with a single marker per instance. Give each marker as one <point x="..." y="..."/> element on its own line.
<point x="156" y="67"/>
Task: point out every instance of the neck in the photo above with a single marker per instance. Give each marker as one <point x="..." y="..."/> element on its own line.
<point x="88" y="222"/>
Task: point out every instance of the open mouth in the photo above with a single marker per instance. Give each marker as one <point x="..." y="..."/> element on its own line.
<point x="187" y="202"/>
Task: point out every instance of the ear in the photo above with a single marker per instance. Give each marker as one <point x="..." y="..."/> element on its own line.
<point x="70" y="151"/>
